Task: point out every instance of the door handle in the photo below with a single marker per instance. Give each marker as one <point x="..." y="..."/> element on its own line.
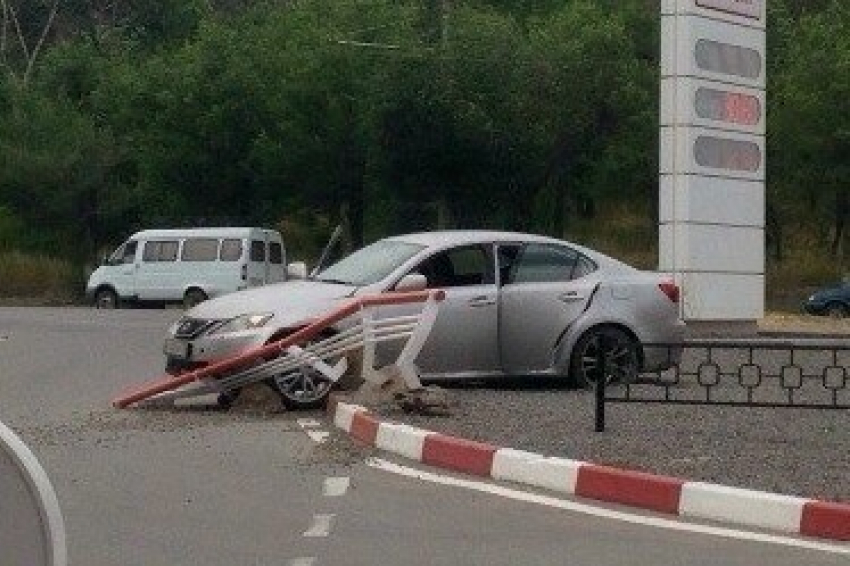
<point x="482" y="301"/>
<point x="570" y="297"/>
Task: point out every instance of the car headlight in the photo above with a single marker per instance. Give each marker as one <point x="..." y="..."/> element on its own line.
<point x="244" y="322"/>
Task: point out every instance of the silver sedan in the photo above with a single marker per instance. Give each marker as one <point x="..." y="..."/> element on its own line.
<point x="515" y="304"/>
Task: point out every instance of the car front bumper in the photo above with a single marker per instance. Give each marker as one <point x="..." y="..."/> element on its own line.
<point x="184" y="354"/>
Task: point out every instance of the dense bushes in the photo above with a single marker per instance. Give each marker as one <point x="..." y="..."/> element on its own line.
<point x="386" y="116"/>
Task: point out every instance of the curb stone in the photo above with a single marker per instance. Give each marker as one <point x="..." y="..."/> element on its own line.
<point x="673" y="496"/>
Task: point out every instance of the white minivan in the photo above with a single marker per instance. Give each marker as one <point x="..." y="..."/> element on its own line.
<point x="187" y="265"/>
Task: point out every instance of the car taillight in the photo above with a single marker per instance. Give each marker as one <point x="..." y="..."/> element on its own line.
<point x="670" y="289"/>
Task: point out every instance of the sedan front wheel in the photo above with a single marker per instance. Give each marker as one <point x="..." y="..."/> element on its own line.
<point x="303" y="387"/>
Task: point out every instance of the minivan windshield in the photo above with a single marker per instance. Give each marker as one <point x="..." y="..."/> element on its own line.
<point x="370" y="264"/>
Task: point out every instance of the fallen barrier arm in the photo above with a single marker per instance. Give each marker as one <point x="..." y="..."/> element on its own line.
<point x="273" y="349"/>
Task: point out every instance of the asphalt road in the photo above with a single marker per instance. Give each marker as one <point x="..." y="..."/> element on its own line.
<point x="175" y="487"/>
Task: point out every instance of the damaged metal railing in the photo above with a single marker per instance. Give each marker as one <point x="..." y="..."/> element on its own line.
<point x="308" y="347"/>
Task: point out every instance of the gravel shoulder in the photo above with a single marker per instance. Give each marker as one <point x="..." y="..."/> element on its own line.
<point x="802" y="452"/>
<point x="799" y="452"/>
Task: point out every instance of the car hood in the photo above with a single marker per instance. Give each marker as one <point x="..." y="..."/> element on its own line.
<point x="291" y="302"/>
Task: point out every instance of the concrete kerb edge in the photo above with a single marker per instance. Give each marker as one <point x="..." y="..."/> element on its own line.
<point x="695" y="500"/>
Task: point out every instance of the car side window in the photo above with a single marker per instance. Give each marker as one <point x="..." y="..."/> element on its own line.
<point x="541" y="263"/>
<point x="129" y="255"/>
<point x="231" y="250"/>
<point x="258" y="250"/>
<point x="160" y="251"/>
<point x="458" y="267"/>
<point x="507" y="255"/>
<point x="199" y="249"/>
<point x="275" y="253"/>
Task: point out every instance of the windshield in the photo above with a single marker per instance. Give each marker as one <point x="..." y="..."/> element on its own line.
<point x="117" y="256"/>
<point x="370" y="264"/>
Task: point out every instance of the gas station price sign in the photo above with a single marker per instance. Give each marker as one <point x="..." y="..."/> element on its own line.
<point x="731" y="107"/>
<point x="745" y="8"/>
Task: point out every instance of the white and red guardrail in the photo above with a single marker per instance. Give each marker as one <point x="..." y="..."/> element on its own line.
<point x="663" y="494"/>
<point x="286" y="354"/>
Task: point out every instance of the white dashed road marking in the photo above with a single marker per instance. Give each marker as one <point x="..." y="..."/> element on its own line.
<point x="318" y="435"/>
<point x="309" y="426"/>
<point x="336" y="487"/>
<point x="308" y="561"/>
<point x="321" y="526"/>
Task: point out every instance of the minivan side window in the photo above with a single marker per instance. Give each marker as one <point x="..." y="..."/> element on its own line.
<point x="160" y="251"/>
<point x="258" y="250"/>
<point x="231" y="250"/>
<point x="199" y="249"/>
<point x="275" y="253"/>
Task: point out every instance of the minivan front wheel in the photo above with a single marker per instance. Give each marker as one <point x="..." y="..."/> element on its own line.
<point x="106" y="298"/>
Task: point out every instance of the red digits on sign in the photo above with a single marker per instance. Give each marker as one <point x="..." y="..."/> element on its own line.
<point x="741" y="109"/>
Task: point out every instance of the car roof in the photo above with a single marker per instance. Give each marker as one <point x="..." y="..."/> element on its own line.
<point x="220" y="232"/>
<point x="454" y="237"/>
<point x="443" y="238"/>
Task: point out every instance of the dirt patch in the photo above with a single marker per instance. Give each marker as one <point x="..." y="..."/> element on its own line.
<point x="804" y="324"/>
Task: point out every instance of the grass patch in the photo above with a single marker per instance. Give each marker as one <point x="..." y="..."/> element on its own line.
<point x="46" y="279"/>
<point x="620" y="232"/>
<point x="801" y="272"/>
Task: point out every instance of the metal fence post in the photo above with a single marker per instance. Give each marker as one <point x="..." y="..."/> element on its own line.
<point x="601" y="372"/>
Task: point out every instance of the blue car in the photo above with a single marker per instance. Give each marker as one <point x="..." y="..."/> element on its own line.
<point x="833" y="301"/>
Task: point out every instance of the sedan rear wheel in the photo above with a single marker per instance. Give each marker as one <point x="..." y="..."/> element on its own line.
<point x="617" y="349"/>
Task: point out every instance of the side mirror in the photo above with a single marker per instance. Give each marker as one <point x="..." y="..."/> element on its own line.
<point x="412" y="282"/>
<point x="296" y="270"/>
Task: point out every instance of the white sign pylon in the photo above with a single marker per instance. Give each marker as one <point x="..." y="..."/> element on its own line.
<point x="712" y="156"/>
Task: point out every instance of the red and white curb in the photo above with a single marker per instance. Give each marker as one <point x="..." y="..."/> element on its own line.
<point x="663" y="494"/>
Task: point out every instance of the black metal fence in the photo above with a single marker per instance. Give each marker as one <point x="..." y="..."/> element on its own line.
<point x="757" y="373"/>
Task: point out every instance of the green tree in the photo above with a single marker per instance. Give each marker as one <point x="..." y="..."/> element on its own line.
<point x="59" y="173"/>
<point x="809" y="127"/>
<point x="590" y="111"/>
